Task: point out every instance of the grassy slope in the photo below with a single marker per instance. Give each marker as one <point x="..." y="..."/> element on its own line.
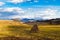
<point x="5" y="29"/>
<point x="22" y="30"/>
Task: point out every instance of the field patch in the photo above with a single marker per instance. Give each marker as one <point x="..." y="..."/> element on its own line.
<point x="17" y="29"/>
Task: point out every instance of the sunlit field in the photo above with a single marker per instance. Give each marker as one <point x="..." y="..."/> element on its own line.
<point x="9" y="28"/>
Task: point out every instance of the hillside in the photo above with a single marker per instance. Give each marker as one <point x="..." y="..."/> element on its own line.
<point x="9" y="28"/>
<point x="7" y="25"/>
<point x="10" y="22"/>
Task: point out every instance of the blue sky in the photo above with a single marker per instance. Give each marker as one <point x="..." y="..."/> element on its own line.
<point x="45" y="9"/>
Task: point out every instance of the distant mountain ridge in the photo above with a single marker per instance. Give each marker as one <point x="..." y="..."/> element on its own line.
<point x="37" y="20"/>
<point x="27" y="20"/>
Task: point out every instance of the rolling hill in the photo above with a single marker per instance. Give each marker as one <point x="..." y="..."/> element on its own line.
<point x="9" y="28"/>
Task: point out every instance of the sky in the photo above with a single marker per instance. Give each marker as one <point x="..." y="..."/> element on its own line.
<point x="45" y="9"/>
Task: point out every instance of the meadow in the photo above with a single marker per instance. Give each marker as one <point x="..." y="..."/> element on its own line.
<point x="9" y="28"/>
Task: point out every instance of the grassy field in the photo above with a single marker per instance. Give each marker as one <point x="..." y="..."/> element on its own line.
<point x="9" y="28"/>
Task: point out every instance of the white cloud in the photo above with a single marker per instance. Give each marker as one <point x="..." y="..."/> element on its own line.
<point x="21" y="17"/>
<point x="14" y="16"/>
<point x="45" y="13"/>
<point x="2" y="3"/>
<point x="50" y="12"/>
<point x="8" y="9"/>
<point x="13" y="9"/>
<point x="16" y="1"/>
<point x="21" y="1"/>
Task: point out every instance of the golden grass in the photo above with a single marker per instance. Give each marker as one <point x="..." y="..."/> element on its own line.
<point x="4" y="26"/>
<point x="13" y="28"/>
